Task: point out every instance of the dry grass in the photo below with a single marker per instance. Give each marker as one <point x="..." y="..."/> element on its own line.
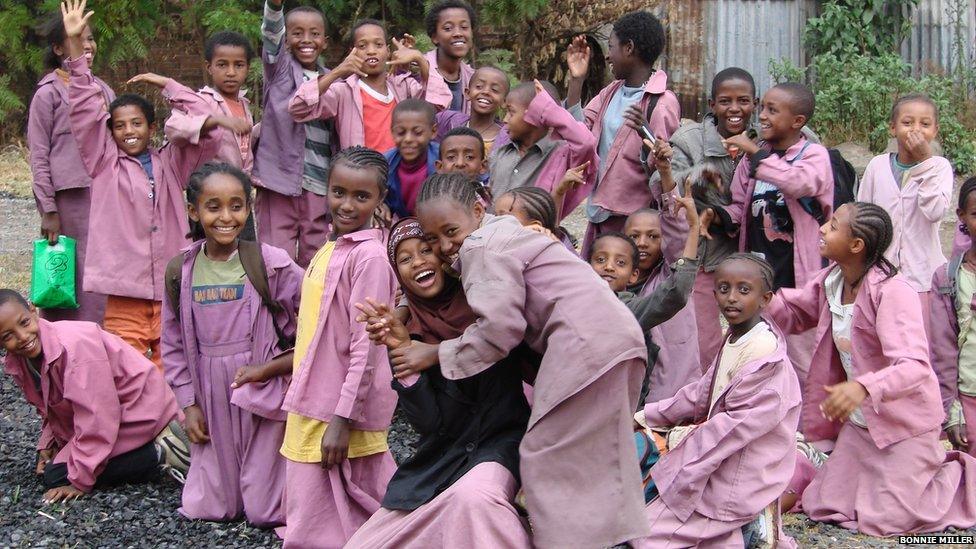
<point x="15" y="271"/>
<point x="15" y="174"/>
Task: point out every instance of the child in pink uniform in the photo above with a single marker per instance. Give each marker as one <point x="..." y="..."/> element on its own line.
<point x="617" y="113"/>
<point x="525" y="286"/>
<point x="60" y="183"/>
<point x="781" y="193"/>
<point x="450" y="25"/>
<point x="734" y="454"/>
<point x="536" y="158"/>
<point x="138" y="216"/>
<point x="292" y="160"/>
<point x="223" y="357"/>
<point x="871" y="392"/>
<point x="951" y="340"/>
<point x="228" y="56"/>
<point x="486" y="96"/>
<point x="340" y="402"/>
<point x="102" y="404"/>
<point x="360" y="94"/>
<point x="915" y="188"/>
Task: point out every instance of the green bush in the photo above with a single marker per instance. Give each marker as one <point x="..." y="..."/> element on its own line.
<point x="854" y="99"/>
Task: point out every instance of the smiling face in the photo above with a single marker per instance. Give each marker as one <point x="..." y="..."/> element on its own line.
<point x="305" y="36"/>
<point x="221" y="209"/>
<point x="19" y="331"/>
<point x="620" y="57"/>
<point x="412" y="133"/>
<point x="733" y="104"/>
<point x="914" y="116"/>
<point x="777" y="122"/>
<point x="130" y="129"/>
<point x="644" y="229"/>
<point x="487" y="90"/>
<point x="837" y="242"/>
<point x="518" y="129"/>
<point x="371" y="41"/>
<point x="454" y="35"/>
<point x="462" y="154"/>
<point x="740" y="291"/>
<point x="420" y="269"/>
<point x="446" y="222"/>
<point x="354" y="194"/>
<point x="613" y="260"/>
<point x="228" y="68"/>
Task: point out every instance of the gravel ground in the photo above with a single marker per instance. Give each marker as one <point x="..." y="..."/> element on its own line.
<point x="145" y="515"/>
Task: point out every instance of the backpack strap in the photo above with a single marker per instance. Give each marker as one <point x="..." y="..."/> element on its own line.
<point x="173" y="281"/>
<point x="953" y="271"/>
<point x="651" y="105"/>
<point x="257" y="273"/>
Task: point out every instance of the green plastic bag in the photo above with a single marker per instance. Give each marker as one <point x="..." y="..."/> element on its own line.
<point x="53" y="274"/>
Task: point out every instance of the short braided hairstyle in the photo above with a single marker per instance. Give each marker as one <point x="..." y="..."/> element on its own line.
<point x="459" y="187"/>
<point x="364" y="158"/>
<point x="872" y="224"/>
<point x="537" y="204"/>
<point x="766" y="272"/>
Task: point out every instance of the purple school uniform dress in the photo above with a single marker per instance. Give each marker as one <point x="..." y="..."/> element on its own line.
<point x="738" y="459"/>
<point x="578" y="453"/>
<point x="98" y="397"/>
<point x="240" y="470"/>
<point x="60" y="182"/>
<point x="892" y="477"/>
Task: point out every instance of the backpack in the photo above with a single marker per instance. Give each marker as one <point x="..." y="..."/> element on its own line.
<point x="257" y="273"/>
<point x="845" y="185"/>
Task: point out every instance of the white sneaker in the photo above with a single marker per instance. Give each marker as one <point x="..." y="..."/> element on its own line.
<point x="174" y="449"/>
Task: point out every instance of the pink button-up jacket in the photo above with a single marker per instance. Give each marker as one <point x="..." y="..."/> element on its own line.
<point x="135" y="228"/>
<point x="741" y="455"/>
<point x="344" y="374"/>
<point x="467" y="71"/>
<point x="99" y="397"/>
<point x="623" y="186"/>
<point x="890" y="356"/>
<point x="183" y="126"/>
<point x="344" y="102"/>
<point x="916" y="210"/>
<point x="808" y="176"/>
<point x="54" y="159"/>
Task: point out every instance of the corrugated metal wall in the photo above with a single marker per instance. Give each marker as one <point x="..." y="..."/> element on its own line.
<point x="930" y="46"/>
<point x="706" y="36"/>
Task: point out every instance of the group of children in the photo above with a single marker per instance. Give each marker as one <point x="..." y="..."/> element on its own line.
<point x="389" y="241"/>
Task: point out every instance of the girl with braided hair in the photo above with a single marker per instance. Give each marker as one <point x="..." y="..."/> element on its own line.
<point x="871" y="393"/>
<point x="731" y="433"/>
<point x="340" y="403"/>
<point x="534" y="208"/>
<point x="522" y="285"/>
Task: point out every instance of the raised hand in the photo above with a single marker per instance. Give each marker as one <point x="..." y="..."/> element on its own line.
<point x="573" y="178"/>
<point x="380" y="320"/>
<point x="404" y="54"/>
<point x="150" y="78"/>
<point x="354" y="63"/>
<point x="578" y="57"/>
<point x="74" y="17"/>
<point x="740" y="142"/>
<point x="408" y="41"/>
<point x="687" y="203"/>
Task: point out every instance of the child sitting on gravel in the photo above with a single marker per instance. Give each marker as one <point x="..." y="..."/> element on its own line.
<point x="108" y="416"/>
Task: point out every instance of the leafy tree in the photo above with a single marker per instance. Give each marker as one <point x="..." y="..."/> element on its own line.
<point x="867" y="27"/>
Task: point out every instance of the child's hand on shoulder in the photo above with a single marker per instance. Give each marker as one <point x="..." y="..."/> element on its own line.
<point x="335" y="442"/>
<point x="354" y="63"/>
<point x="918" y="148"/>
<point x="740" y="142"/>
<point x="843" y="399"/>
<point x="150" y="78"/>
<point x="578" y="57"/>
